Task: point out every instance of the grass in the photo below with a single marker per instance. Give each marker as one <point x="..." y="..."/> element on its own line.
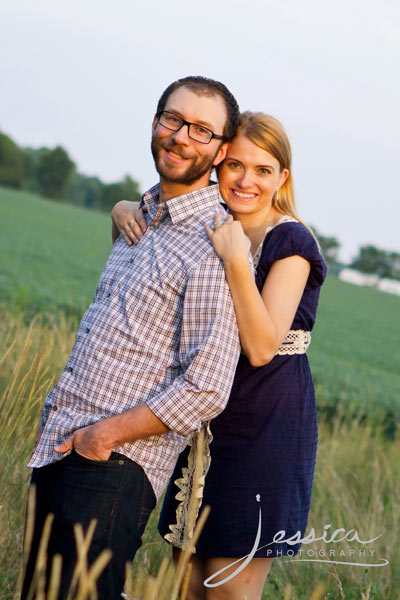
<point x="356" y="483"/>
<point x="52" y="255"/>
<point x="355" y="354"/>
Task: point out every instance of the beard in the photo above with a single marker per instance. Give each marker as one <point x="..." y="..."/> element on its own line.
<point x="194" y="171"/>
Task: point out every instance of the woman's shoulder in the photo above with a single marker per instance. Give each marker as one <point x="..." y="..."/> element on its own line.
<point x="288" y="232"/>
<point x="289" y="237"/>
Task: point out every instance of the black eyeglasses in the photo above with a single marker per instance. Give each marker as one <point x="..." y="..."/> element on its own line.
<point x="196" y="132"/>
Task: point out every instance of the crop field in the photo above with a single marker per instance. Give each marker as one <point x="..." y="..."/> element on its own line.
<point x="355" y="354"/>
<point x="51" y="256"/>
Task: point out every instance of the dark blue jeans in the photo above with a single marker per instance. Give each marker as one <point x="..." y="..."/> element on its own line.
<point x="76" y="490"/>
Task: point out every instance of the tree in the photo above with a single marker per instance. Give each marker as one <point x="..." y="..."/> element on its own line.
<point x="32" y="158"/>
<point x="11" y="163"/>
<point x="329" y="246"/>
<point x="394" y="260"/>
<point x="53" y="172"/>
<point x="378" y="262"/>
<point x="84" y="191"/>
<point x="128" y="189"/>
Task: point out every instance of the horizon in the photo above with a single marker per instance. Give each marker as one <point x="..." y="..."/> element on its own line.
<point x="326" y="72"/>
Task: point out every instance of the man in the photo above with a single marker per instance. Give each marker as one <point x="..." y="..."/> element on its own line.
<point x="154" y="355"/>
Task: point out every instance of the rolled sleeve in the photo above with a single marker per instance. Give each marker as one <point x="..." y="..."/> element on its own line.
<point x="209" y="351"/>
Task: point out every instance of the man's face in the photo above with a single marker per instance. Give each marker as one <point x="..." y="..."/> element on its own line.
<point x="177" y="157"/>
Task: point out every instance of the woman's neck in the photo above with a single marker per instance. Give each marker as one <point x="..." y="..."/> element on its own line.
<point x="255" y="225"/>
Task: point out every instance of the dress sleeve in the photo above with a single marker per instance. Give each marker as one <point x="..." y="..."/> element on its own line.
<point x="290" y="239"/>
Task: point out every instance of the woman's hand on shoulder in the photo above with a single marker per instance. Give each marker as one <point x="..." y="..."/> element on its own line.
<point x="229" y="240"/>
<point x="129" y="219"/>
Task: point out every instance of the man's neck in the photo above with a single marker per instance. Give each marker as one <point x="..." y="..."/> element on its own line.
<point x="169" y="189"/>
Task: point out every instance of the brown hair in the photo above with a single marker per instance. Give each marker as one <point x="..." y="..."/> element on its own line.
<point x="208" y="87"/>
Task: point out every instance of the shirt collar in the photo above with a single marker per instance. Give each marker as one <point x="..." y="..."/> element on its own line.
<point x="184" y="206"/>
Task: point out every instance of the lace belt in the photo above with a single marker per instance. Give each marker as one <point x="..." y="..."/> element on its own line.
<point x="295" y="342"/>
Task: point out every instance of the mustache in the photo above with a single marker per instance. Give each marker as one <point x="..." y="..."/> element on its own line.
<point x="176" y="149"/>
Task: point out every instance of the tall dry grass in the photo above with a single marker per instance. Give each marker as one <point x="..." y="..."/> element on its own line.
<point x="32" y="355"/>
<point x="356" y="486"/>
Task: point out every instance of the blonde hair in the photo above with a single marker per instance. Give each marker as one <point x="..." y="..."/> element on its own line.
<point x="268" y="133"/>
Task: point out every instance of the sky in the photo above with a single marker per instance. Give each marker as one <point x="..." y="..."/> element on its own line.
<point x="87" y="74"/>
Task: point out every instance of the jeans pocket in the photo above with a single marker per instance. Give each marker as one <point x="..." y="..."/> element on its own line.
<point x="91" y="461"/>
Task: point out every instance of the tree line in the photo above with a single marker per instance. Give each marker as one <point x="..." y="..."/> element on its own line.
<point x="52" y="173"/>
<point x="370" y="259"/>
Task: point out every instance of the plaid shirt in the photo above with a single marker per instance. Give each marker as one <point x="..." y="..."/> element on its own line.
<point x="161" y="329"/>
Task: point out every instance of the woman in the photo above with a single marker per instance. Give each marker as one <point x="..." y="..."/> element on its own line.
<point x="264" y="443"/>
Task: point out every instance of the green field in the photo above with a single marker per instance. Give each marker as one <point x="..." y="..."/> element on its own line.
<point x="51" y="256"/>
<point x="355" y="354"/>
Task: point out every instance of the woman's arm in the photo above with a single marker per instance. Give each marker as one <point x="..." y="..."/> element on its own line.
<point x="128" y="220"/>
<point x="263" y="319"/>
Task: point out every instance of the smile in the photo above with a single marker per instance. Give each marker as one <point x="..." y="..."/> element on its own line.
<point x="243" y="195"/>
<point x="174" y="157"/>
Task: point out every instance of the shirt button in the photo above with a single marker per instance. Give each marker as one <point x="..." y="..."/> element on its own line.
<point x="54" y="407"/>
<point x="131" y="260"/>
<point x="108" y="295"/>
<point x="70" y="369"/>
<point x="87" y="329"/>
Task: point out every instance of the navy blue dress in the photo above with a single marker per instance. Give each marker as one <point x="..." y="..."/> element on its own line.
<point x="264" y="444"/>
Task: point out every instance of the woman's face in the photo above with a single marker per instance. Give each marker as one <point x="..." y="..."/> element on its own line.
<point x="249" y="177"/>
